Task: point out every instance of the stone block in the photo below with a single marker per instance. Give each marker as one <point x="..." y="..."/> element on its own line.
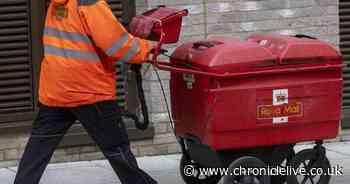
<point x="140" y="10"/>
<point x="161" y="128"/>
<point x="164" y="138"/>
<point x="219" y="7"/>
<point x="91" y="156"/>
<point x="182" y="2"/>
<point x="60" y="152"/>
<point x="12" y="141"/>
<point x="345" y="135"/>
<point x="319" y="30"/>
<point x="2" y="155"/>
<point x="331" y="10"/>
<point x="146" y="86"/>
<point x="239" y="35"/>
<point x="262" y="15"/>
<point x="194" y="19"/>
<point x="263" y="25"/>
<point x="286" y="32"/>
<point x="158" y="99"/>
<point x="155" y="2"/>
<point x="88" y="149"/>
<point x="64" y="158"/>
<point x="224" y="28"/>
<point x="135" y="151"/>
<point x="159" y="107"/>
<point x="147" y="150"/>
<point x="231" y="17"/>
<point x="151" y="75"/>
<point x="327" y="2"/>
<point x="141" y="3"/>
<point x="249" y="6"/>
<point x="184" y="39"/>
<point x="312" y="21"/>
<point x="159" y="117"/>
<point x="192" y="8"/>
<point x="161" y="149"/>
<point x="10" y="163"/>
<point x="298" y="3"/>
<point x="174" y="148"/>
<point x="193" y="30"/>
<point x="72" y="151"/>
<point x="11" y="154"/>
<point x="141" y="143"/>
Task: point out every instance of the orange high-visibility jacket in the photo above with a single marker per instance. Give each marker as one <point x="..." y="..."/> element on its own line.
<point x="82" y="40"/>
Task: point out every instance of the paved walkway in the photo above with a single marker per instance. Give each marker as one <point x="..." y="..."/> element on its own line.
<point x="164" y="168"/>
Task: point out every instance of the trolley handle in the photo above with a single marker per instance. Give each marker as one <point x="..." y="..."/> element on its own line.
<point x="206" y="44"/>
<point x="157" y="50"/>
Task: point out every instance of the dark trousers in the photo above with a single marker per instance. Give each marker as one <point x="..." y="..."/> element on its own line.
<point x="103" y="123"/>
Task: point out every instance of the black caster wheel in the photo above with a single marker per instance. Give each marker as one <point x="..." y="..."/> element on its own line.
<point x="309" y="160"/>
<point x="280" y="158"/>
<point x="190" y="173"/>
<point x="247" y="178"/>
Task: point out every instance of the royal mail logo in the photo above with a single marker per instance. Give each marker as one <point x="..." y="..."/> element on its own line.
<point x="281" y="98"/>
<point x="189" y="79"/>
<point x="285" y="110"/>
<point x="281" y="109"/>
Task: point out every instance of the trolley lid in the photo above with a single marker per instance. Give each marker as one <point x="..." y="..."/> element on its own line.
<point x="225" y="54"/>
<point x="297" y="50"/>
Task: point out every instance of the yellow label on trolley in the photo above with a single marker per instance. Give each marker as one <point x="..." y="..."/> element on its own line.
<point x="284" y="110"/>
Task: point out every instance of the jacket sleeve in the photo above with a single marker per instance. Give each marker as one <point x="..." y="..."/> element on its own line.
<point x="110" y="35"/>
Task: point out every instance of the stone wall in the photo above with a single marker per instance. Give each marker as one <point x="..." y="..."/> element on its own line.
<point x="237" y="18"/>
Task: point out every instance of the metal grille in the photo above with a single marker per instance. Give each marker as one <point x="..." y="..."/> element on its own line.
<point x="118" y="9"/>
<point x="16" y="86"/>
<point x="121" y="84"/>
<point x="344" y="14"/>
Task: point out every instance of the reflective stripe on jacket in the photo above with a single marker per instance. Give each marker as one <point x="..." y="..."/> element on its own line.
<point x="82" y="41"/>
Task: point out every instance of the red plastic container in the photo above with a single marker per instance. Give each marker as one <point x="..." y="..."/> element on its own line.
<point x="268" y="90"/>
<point x="169" y="21"/>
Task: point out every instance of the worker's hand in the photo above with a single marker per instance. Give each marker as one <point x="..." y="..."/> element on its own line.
<point x="152" y="46"/>
<point x="141" y="26"/>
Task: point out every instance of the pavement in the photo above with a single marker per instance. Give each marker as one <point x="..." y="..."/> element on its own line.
<point x="164" y="169"/>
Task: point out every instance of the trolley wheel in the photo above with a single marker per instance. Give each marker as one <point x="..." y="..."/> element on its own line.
<point x="309" y="159"/>
<point x="196" y="177"/>
<point x="247" y="178"/>
<point x="281" y="157"/>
